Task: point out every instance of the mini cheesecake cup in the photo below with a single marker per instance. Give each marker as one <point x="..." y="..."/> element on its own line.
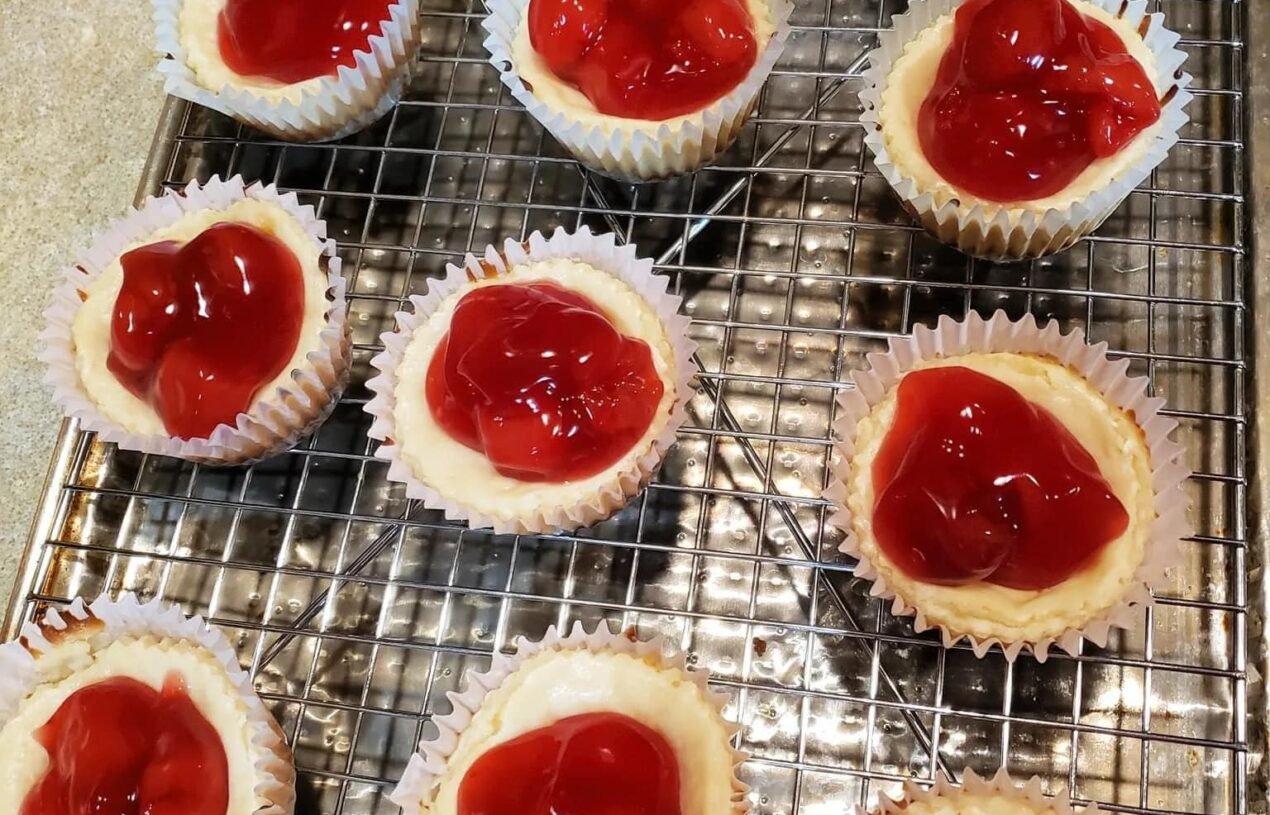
<point x="319" y="109"/>
<point x="104" y="621"/>
<point x="1000" y="786"/>
<point x="429" y="765"/>
<point x="634" y="149"/>
<point x="950" y="339"/>
<point x="277" y="421"/>
<point x="604" y="254"/>
<point x="1005" y="232"/>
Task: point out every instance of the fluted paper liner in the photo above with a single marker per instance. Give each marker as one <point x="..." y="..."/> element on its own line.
<point x="635" y="149"/>
<point x="428" y="765"/>
<point x="104" y="621"/>
<point x="605" y="254"/>
<point x="330" y="107"/>
<point x="952" y="338"/>
<point x="275" y="423"/>
<point x="1015" y="233"/>
<point x="1000" y="785"/>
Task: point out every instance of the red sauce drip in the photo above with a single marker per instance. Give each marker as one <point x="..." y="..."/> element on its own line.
<point x="199" y="327"/>
<point x="538" y="379"/>
<point x="119" y="747"/>
<point x="646" y="59"/>
<point x="1029" y="94"/>
<point x="294" y="40"/>
<point x="975" y="483"/>
<point x="593" y="764"/>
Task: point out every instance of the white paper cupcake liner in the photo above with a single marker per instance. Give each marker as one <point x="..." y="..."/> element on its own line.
<point x="1012" y="233"/>
<point x="428" y="765"/>
<point x="1001" y="785"/>
<point x="604" y="253"/>
<point x="330" y="107"/>
<point x="105" y="621"/>
<point x="952" y="338"/>
<point x="274" y="424"/>
<point x="628" y="148"/>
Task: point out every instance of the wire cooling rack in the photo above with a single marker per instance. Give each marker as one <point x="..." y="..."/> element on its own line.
<point x="356" y="610"/>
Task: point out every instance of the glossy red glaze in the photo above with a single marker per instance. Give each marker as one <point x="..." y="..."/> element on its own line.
<point x="1028" y="95"/>
<point x="975" y="483"/>
<point x="119" y="747"/>
<point x="646" y="59"/>
<point x="593" y="764"/>
<point x="538" y="379"/>
<point x="294" y="40"/>
<point x="199" y="327"/>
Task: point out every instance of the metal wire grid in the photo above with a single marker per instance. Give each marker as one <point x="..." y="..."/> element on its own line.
<point x="357" y="610"/>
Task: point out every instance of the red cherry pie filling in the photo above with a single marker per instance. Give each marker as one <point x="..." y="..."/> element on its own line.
<point x="538" y="379"/>
<point x="974" y="483"/>
<point x="198" y="328"/>
<point x="292" y="41"/>
<point x="646" y="59"/>
<point x="120" y="747"/>
<point x="1028" y="95"/>
<point x="590" y="764"/>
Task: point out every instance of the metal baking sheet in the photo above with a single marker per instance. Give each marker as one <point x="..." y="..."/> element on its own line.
<point x="356" y="610"/>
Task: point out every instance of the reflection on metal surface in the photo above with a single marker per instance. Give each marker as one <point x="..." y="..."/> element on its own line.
<point x="357" y="610"/>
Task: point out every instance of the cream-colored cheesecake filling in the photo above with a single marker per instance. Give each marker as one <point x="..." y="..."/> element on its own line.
<point x="465" y="475"/>
<point x="91" y="330"/>
<point x="23" y="760"/>
<point x="971" y="803"/>
<point x="986" y="610"/>
<point x="200" y="35"/>
<point x="557" y="94"/>
<point x="555" y="685"/>
<point x="910" y="80"/>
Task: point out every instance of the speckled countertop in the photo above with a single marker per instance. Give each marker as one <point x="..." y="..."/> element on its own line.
<point x="79" y="105"/>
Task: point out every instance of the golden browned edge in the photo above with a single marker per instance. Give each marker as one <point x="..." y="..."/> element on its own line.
<point x="282" y="748"/>
<point x="75" y="628"/>
<point x="488" y="270"/>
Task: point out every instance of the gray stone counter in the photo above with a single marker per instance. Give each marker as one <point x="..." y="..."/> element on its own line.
<point x="79" y="103"/>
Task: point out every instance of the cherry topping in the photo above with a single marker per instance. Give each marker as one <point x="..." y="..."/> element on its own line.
<point x="592" y="764"/>
<point x="1028" y="95"/>
<point x="646" y="59"/>
<point x="975" y="483"/>
<point x="294" y="40"/>
<point x="119" y="747"/>
<point x="537" y="378"/>
<point x="199" y="327"/>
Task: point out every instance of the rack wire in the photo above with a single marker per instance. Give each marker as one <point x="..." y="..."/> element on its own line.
<point x="356" y="609"/>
